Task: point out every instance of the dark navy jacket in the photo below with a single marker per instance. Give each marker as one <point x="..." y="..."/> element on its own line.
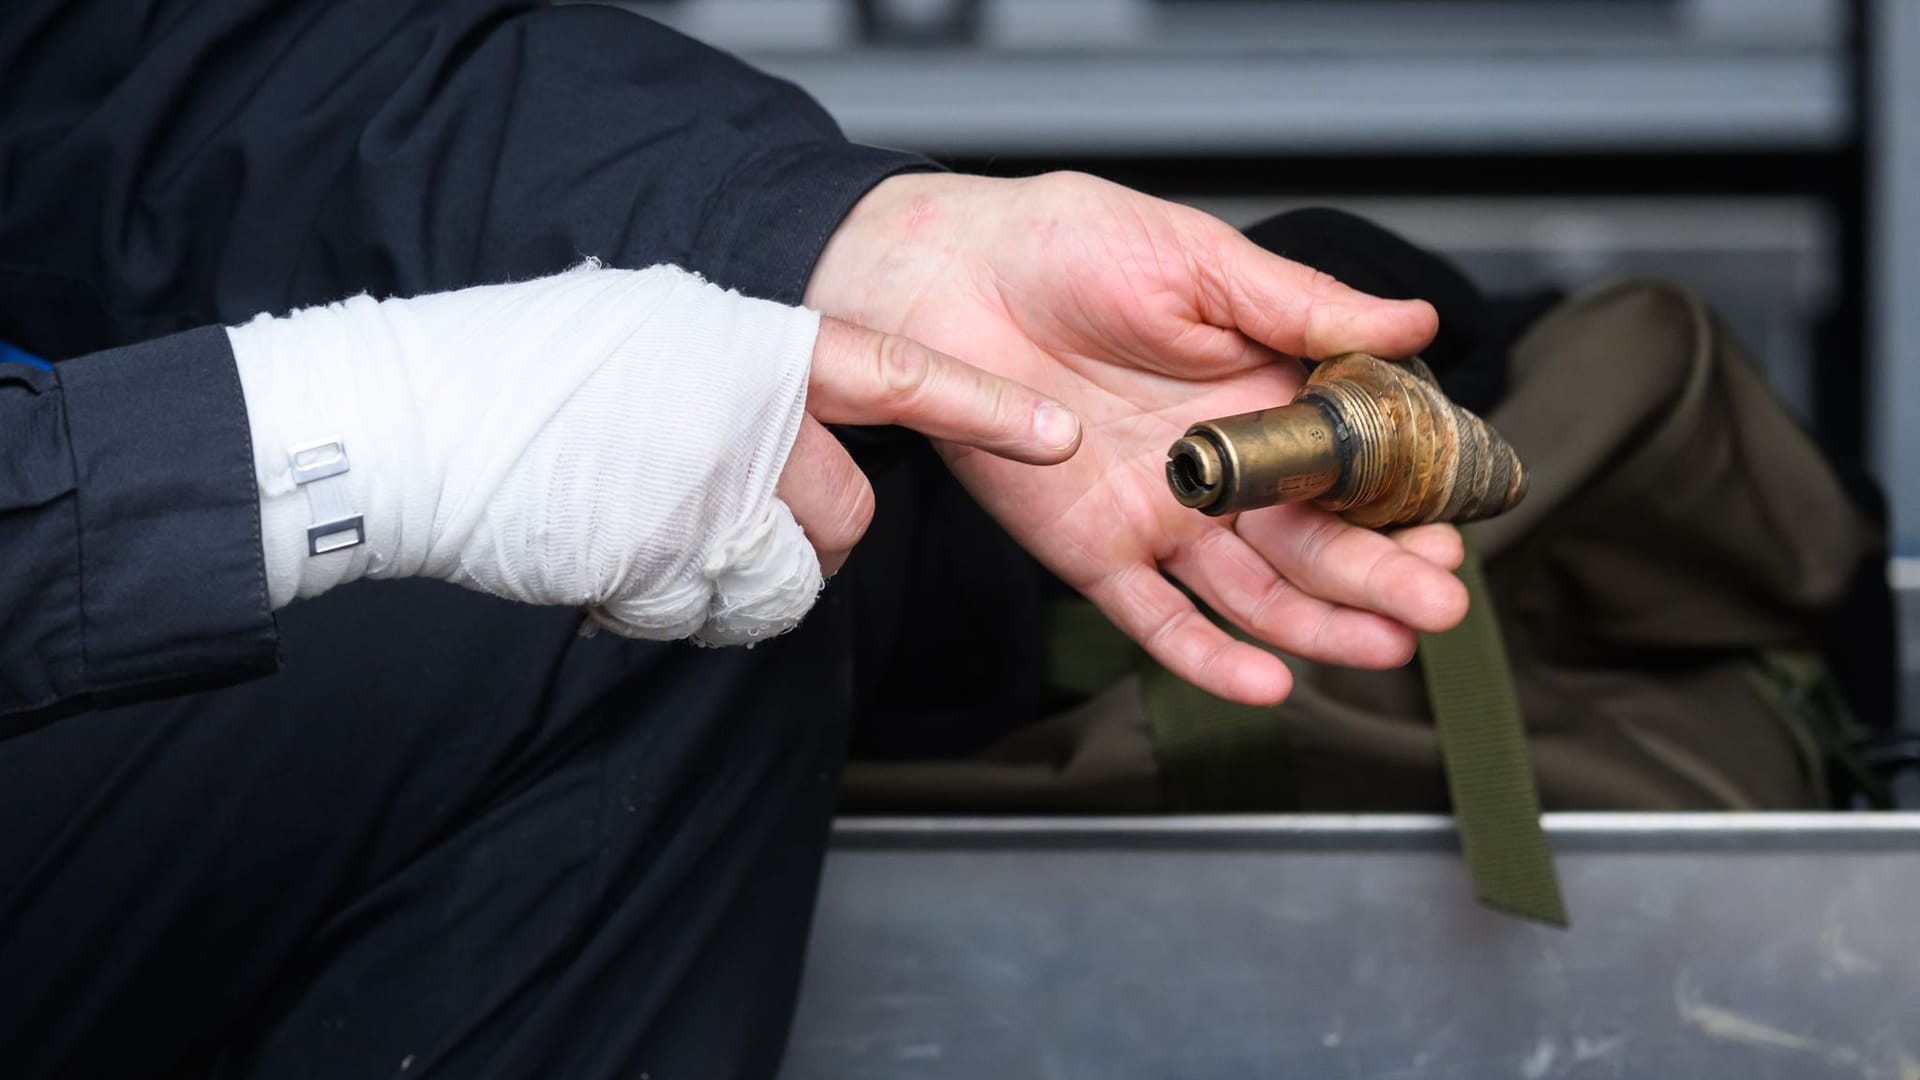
<point x="169" y="167"/>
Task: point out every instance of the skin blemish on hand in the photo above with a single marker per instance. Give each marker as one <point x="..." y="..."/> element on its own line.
<point x="921" y="213"/>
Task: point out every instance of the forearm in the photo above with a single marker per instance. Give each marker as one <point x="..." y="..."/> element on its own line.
<point x="155" y="507"/>
<point x="130" y="559"/>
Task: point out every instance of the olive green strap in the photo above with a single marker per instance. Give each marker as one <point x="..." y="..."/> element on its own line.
<point x="1216" y="756"/>
<point x="1483" y="742"/>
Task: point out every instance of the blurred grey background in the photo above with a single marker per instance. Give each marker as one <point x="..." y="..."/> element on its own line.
<point x="1765" y="152"/>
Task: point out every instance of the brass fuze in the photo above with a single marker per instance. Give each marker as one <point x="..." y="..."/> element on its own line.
<point x="1372" y="440"/>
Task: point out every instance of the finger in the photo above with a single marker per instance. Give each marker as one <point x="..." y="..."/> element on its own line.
<point x="1346" y="564"/>
<point x="828" y="494"/>
<point x="1233" y="580"/>
<point x="1299" y="310"/>
<point x="1152" y="612"/>
<point x="1438" y="544"/>
<point x="861" y="376"/>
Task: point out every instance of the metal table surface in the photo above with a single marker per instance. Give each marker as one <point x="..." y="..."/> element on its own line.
<point x="1753" y="946"/>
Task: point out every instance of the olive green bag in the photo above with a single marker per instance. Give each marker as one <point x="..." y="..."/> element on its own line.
<point x="1656" y="596"/>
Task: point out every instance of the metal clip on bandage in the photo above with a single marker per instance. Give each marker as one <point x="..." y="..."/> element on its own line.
<point x="320" y="467"/>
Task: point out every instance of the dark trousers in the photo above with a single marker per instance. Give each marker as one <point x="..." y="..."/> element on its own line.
<point x="452" y="838"/>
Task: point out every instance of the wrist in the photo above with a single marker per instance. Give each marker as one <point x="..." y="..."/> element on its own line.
<point x="302" y="379"/>
<point x="896" y="243"/>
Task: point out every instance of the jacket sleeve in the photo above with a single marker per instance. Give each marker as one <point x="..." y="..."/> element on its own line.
<point x="166" y="164"/>
<point x="130" y="562"/>
<point x="170" y="164"/>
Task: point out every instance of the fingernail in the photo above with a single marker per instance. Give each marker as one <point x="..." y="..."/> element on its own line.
<point x="1055" y="426"/>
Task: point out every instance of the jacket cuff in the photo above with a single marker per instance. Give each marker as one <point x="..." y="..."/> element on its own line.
<point x="767" y="239"/>
<point x="173" y="582"/>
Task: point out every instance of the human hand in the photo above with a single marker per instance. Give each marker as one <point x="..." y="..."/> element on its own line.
<point x="1143" y="316"/>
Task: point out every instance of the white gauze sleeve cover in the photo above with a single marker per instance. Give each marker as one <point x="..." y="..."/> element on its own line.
<point x="605" y="439"/>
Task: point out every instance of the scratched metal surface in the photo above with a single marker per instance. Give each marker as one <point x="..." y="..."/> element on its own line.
<point x="1703" y="947"/>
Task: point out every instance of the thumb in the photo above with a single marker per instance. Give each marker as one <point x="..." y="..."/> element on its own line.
<point x="1298" y="310"/>
<point x="861" y="376"/>
<point x="827" y="493"/>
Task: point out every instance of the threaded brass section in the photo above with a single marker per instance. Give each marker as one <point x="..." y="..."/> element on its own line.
<point x="1373" y="440"/>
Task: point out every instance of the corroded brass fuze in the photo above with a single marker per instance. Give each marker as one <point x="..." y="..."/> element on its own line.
<point x="1372" y="440"/>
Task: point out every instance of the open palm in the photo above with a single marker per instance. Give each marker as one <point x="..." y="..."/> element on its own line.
<point x="1145" y="317"/>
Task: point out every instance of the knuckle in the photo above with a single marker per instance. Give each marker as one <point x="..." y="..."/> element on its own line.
<point x="1322" y="284"/>
<point x="1066" y="183"/>
<point x="853" y="515"/>
<point x="1322" y="636"/>
<point x="903" y="367"/>
<point x="1005" y="408"/>
<point x="1263" y="613"/>
<point x="1384" y="584"/>
<point x="1313" y="545"/>
<point x="1160" y="638"/>
<point x="1377" y="579"/>
<point x="859" y="512"/>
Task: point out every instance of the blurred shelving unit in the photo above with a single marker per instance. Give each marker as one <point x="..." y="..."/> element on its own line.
<point x="1893" y="96"/>
<point x="1300" y="77"/>
<point x="1714" y="137"/>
